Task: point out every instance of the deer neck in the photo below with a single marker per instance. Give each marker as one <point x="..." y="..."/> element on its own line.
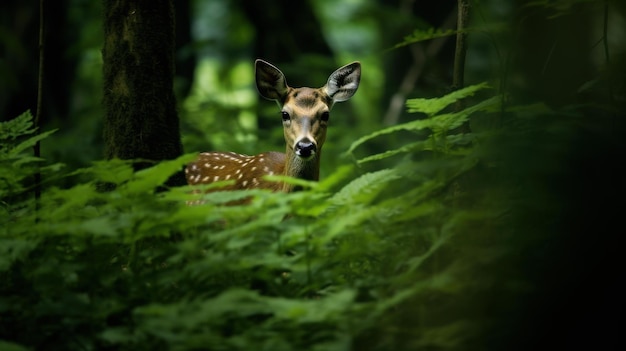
<point x="297" y="167"/>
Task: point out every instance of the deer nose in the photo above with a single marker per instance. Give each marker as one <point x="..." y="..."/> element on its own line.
<point x="305" y="148"/>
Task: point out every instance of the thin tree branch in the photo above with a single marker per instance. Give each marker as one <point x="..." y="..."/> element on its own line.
<point x="37" y="146"/>
<point x="458" y="78"/>
<point x="461" y="45"/>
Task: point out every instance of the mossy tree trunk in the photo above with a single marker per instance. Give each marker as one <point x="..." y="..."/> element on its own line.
<point x="140" y="119"/>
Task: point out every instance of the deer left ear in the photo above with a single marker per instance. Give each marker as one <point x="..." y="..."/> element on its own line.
<point x="344" y="82"/>
<point x="270" y="81"/>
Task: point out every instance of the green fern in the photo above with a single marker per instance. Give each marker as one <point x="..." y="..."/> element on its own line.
<point x="438" y="124"/>
<point x="421" y="35"/>
<point x="133" y="268"/>
<point x="16" y="163"/>
<point x="435" y="105"/>
<point x="17" y="127"/>
<point x="365" y="188"/>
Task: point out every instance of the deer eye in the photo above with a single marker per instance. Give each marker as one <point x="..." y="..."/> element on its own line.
<point x="286" y="116"/>
<point x="325" y="115"/>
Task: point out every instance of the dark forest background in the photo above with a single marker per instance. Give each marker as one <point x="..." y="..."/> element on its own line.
<point x="485" y="219"/>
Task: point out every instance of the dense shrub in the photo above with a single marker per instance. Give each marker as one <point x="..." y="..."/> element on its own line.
<point x="427" y="254"/>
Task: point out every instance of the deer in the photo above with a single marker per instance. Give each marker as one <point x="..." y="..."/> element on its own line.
<point x="305" y="114"/>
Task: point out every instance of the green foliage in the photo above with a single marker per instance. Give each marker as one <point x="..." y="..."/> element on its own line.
<point x="134" y="268"/>
<point x="440" y="124"/>
<point x="419" y="35"/>
<point x="426" y="242"/>
<point x="15" y="164"/>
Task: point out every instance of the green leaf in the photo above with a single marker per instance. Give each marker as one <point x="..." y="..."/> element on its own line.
<point x="449" y="121"/>
<point x="64" y="203"/>
<point x="30" y="142"/>
<point x="20" y="125"/>
<point x="364" y="188"/>
<point x="150" y="178"/>
<point x="353" y="217"/>
<point x="421" y="35"/>
<point x="337" y="176"/>
<point x="418" y="145"/>
<point x="307" y="184"/>
<point x="436" y="105"/>
<point x="437" y="123"/>
<point x="409" y="126"/>
<point x="113" y="171"/>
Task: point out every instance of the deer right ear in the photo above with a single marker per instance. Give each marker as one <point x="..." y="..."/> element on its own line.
<point x="344" y="82"/>
<point x="270" y="81"/>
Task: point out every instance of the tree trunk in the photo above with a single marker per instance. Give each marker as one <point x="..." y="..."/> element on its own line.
<point x="140" y="118"/>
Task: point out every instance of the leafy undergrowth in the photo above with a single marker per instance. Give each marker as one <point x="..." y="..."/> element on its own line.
<point x="417" y="255"/>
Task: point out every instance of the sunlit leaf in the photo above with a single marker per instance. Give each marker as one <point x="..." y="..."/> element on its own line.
<point x="364" y="188"/>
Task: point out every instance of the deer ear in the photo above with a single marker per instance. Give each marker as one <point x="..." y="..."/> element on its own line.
<point x="270" y="81"/>
<point x="344" y="82"/>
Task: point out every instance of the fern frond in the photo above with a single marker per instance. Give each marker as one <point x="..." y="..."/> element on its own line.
<point x="409" y="126"/>
<point x="364" y="188"/>
<point x="437" y="123"/>
<point x="435" y="105"/>
<point x="412" y="147"/>
<point x="18" y="126"/>
<point x="422" y="35"/>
